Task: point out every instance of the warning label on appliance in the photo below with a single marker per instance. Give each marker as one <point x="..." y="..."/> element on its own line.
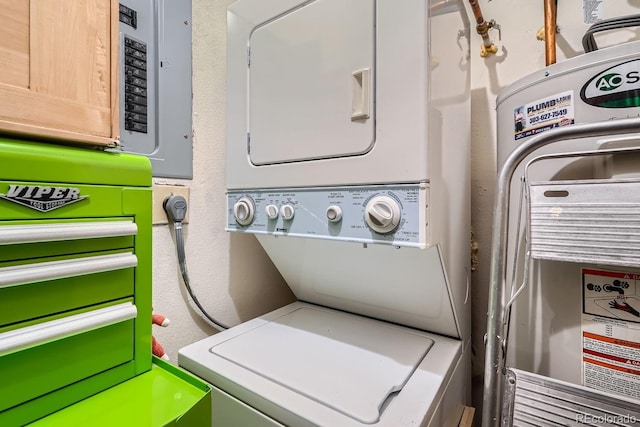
<point x="611" y="331"/>
<point x="543" y="114"/>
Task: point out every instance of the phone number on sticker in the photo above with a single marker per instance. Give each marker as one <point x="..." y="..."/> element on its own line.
<point x="548" y="116"/>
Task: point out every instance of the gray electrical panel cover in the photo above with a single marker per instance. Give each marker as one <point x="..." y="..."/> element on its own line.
<point x="155" y="84"/>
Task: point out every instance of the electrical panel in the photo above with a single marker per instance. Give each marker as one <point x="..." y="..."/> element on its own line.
<point x="155" y="84"/>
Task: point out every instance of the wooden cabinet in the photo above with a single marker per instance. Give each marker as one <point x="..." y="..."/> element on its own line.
<point x="59" y="69"/>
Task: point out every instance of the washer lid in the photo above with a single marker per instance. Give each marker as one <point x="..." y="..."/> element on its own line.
<point x="347" y="363"/>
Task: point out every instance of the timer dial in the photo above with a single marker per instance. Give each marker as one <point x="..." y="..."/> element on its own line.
<point x="382" y="214"/>
<point x="244" y="210"/>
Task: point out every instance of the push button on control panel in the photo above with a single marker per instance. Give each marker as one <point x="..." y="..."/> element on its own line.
<point x="334" y="213"/>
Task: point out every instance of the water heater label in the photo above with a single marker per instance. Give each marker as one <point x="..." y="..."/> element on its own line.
<point x="543" y="114"/>
<point x="615" y="87"/>
<point x="611" y="331"/>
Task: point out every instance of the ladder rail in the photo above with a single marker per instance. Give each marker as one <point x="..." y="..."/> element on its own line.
<point x="495" y="361"/>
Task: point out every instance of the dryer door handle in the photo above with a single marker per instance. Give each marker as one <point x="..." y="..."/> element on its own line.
<point x="361" y="94"/>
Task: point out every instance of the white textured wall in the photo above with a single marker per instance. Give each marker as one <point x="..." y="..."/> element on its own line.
<point x="230" y="274"/>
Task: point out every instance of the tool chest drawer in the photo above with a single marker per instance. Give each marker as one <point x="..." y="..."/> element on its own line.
<point x="34" y="290"/>
<point x="23" y="240"/>
<point x="36" y="359"/>
<point x="59" y="275"/>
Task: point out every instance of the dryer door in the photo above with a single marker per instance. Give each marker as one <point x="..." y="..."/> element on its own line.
<point x="311" y="91"/>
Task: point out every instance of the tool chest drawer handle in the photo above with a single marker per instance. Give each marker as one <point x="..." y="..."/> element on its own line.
<point x="54" y="330"/>
<point x="52" y="270"/>
<point x="15" y="234"/>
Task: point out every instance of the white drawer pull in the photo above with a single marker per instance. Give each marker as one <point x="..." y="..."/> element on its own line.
<point x="14" y="234"/>
<point x="30" y="273"/>
<point x="43" y="333"/>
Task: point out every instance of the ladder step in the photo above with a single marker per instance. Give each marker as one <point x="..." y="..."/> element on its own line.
<point x="536" y="400"/>
<point x="593" y="221"/>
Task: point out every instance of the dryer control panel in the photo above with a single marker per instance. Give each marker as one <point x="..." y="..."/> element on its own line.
<point x="391" y="214"/>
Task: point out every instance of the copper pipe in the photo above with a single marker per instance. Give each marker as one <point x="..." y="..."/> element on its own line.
<point x="482" y="26"/>
<point x="550" y="15"/>
<point x="475" y="7"/>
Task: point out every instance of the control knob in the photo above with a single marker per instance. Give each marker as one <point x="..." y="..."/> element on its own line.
<point x="382" y="214"/>
<point x="271" y="211"/>
<point x="243" y="210"/>
<point x="287" y="211"/>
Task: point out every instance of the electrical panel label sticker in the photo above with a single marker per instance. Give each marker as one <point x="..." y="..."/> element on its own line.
<point x="611" y="331"/>
<point x="543" y="114"/>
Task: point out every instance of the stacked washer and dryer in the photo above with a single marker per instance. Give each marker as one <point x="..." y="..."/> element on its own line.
<point x="348" y="158"/>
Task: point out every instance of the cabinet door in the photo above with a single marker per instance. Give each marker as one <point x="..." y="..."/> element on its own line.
<point x="58" y="69"/>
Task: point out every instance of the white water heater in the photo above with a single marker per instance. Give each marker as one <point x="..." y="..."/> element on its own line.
<point x="568" y="309"/>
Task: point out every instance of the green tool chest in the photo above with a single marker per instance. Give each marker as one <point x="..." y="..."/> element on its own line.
<point x="75" y="275"/>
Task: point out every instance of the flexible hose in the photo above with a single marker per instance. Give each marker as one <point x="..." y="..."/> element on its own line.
<point x="589" y="42"/>
<point x="177" y="228"/>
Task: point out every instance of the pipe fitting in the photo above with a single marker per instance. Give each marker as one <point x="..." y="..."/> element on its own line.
<point x="490" y="50"/>
<point x="482" y="28"/>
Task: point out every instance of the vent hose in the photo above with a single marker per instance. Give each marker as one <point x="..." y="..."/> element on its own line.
<point x="589" y="42"/>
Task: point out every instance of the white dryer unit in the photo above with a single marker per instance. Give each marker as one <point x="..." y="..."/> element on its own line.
<point x="348" y="158"/>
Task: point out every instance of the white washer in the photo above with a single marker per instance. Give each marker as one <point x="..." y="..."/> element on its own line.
<point x="307" y="365"/>
<point x="348" y="158"/>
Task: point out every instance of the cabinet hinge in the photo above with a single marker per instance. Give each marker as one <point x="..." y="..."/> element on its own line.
<point x="248" y="143"/>
<point x="248" y="57"/>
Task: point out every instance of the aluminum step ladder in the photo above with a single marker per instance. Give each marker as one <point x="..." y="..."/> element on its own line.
<point x="570" y="221"/>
